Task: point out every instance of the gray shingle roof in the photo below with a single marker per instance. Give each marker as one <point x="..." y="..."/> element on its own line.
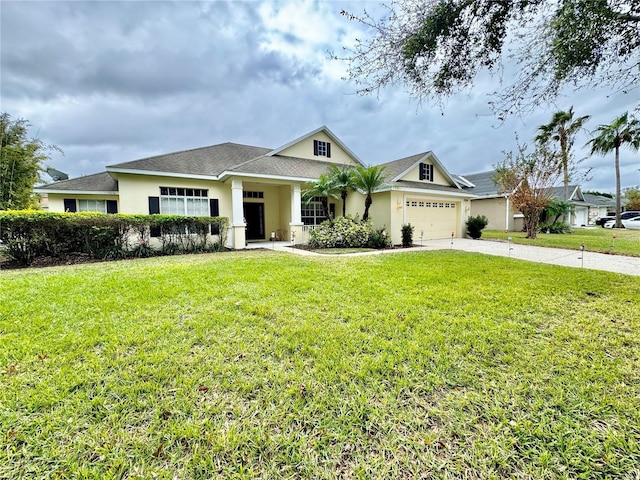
<point x="484" y="184"/>
<point x="98" y="182"/>
<point x="283" y="166"/>
<point x="426" y="186"/>
<point x="396" y="167"/>
<point x="599" y="200"/>
<point x="211" y="161"/>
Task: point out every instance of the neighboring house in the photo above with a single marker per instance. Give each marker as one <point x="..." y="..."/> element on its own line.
<point x="579" y="215"/>
<point x="260" y="189"/>
<point x="492" y="202"/>
<point x="599" y="206"/>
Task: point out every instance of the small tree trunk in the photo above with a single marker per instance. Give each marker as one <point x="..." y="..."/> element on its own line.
<point x="367" y="203"/>
<point x="344" y="203"/>
<point x="618" y="204"/>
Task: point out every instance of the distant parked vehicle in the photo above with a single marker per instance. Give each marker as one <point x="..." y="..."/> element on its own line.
<point x="632" y="223"/>
<point x="611" y="220"/>
<point x="602" y="220"/>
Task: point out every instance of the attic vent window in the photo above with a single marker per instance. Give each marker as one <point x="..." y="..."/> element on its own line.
<point x="426" y="172"/>
<point x="321" y="148"/>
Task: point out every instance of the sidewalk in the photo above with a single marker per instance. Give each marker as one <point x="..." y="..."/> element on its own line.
<point x="552" y="256"/>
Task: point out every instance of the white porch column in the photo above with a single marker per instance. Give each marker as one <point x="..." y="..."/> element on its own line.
<point x="506" y="214"/>
<point x="237" y="215"/>
<point x="296" y="213"/>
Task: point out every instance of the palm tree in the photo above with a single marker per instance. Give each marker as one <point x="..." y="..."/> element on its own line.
<point x="368" y="180"/>
<point x="562" y="128"/>
<point x="343" y="181"/>
<point x="323" y="188"/>
<point x="622" y="131"/>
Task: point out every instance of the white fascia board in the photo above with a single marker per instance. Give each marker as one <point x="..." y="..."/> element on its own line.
<point x="429" y="192"/>
<point x="76" y="192"/>
<point x="161" y="174"/>
<point x="225" y="175"/>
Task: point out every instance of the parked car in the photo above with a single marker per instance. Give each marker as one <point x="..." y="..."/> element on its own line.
<point x="609" y="221"/>
<point x="632" y="223"/>
<point x="602" y="220"/>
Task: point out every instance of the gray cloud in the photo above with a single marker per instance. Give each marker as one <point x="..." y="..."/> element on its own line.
<point x="114" y="81"/>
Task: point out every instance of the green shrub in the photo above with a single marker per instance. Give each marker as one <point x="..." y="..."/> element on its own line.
<point x="29" y="234"/>
<point x="343" y="232"/>
<point x="555" y="227"/>
<point x="407" y="235"/>
<point x="378" y="239"/>
<point x="475" y="225"/>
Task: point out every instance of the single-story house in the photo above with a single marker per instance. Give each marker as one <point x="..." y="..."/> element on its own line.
<point x="494" y="203"/>
<point x="260" y="189"/>
<point x="599" y="206"/>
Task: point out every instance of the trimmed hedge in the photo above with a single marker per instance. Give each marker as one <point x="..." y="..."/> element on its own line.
<point x="29" y="234"/>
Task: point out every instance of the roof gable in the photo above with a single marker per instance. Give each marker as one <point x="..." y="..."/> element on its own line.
<point x="408" y="169"/>
<point x="303" y="147"/>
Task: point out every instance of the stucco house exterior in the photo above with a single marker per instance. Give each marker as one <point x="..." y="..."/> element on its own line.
<point x="494" y="204"/>
<point x="260" y="189"/>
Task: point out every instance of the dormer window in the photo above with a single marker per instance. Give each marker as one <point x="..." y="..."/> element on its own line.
<point x="426" y="172"/>
<point x="321" y="149"/>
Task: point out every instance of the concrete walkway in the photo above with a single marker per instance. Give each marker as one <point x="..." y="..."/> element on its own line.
<point x="552" y="256"/>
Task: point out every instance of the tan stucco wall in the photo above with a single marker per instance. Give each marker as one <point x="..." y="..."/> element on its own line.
<point x="413" y="175"/>
<point x="304" y="149"/>
<point x="55" y="201"/>
<point x="135" y="191"/>
<point x="495" y="210"/>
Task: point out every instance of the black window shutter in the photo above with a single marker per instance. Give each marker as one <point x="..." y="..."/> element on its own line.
<point x="70" y="205"/>
<point x="315" y="147"/>
<point x="154" y="205"/>
<point x="112" y="206"/>
<point x="422" y="171"/>
<point x="328" y="150"/>
<point x="154" y="209"/>
<point x="214" y="212"/>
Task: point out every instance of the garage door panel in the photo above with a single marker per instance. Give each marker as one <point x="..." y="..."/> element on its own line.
<point x="437" y="219"/>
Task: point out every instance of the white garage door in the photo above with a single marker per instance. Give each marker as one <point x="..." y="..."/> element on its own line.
<point x="436" y="218"/>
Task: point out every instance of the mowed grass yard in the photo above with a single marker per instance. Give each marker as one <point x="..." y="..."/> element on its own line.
<point x="626" y="242"/>
<point x="269" y="365"/>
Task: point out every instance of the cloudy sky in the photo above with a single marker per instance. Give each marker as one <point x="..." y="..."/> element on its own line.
<point x="110" y="82"/>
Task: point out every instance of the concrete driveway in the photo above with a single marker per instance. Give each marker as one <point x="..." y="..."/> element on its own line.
<point x="552" y="256"/>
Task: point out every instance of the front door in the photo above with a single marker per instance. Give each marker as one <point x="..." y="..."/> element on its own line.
<point x="254" y="218"/>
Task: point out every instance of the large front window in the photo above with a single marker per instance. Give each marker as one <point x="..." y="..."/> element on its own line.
<point x="312" y="213"/>
<point x="92" y="206"/>
<point x="193" y="202"/>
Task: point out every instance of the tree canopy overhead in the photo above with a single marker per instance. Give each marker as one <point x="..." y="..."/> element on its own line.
<point x="437" y="47"/>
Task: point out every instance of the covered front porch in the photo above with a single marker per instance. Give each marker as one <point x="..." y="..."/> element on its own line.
<point x="266" y="212"/>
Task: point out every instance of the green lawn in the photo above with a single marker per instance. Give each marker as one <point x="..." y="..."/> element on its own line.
<point x="269" y="365"/>
<point x="627" y="242"/>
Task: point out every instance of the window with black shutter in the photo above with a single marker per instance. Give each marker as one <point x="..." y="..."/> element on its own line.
<point x="112" y="206"/>
<point x="215" y="212"/>
<point x="154" y="209"/>
<point x="70" y="205"/>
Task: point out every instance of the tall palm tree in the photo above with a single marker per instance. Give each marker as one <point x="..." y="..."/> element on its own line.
<point x="562" y="129"/>
<point x="622" y="131"/>
<point x="368" y="180"/>
<point x="324" y="188"/>
<point x="343" y="181"/>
